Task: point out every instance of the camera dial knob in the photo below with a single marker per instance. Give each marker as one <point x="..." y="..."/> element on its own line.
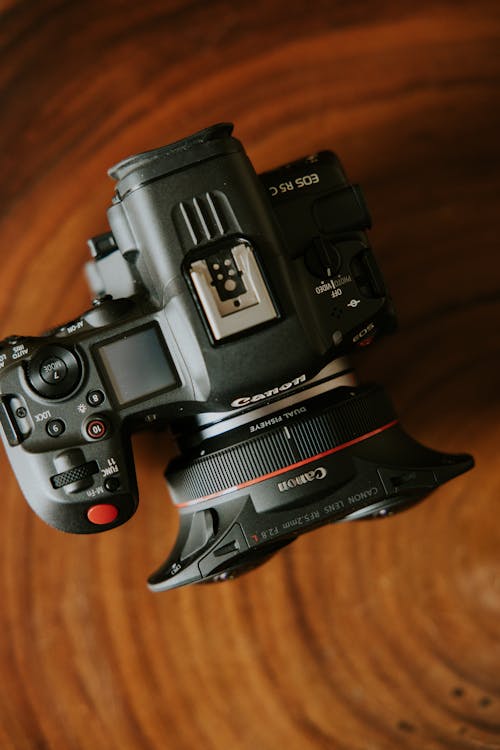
<point x="54" y="371"/>
<point x="323" y="258"/>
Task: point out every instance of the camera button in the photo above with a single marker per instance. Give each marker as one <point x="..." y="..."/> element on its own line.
<point x="53" y="370"/>
<point x="102" y="514"/>
<point x="112" y="484"/>
<point x="14" y="340"/>
<point x="95" y="398"/>
<point x="97" y="428"/>
<point x="55" y="428"/>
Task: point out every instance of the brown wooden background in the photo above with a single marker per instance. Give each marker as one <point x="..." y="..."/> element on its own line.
<point x="369" y="636"/>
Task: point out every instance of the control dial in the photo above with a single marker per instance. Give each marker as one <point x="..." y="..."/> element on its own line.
<point x="54" y="371"/>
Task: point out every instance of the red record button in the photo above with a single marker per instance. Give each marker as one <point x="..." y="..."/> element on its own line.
<point x="97" y="428"/>
<point x="102" y="514"/>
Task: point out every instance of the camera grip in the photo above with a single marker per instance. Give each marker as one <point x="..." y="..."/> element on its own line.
<point x="81" y="489"/>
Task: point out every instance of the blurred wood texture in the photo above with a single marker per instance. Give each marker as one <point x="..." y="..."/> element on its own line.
<point x="363" y="636"/>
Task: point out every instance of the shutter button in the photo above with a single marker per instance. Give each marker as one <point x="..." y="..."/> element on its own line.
<point x="102" y="514"/>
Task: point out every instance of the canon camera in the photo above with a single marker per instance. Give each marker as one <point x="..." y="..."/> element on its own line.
<point x="225" y="303"/>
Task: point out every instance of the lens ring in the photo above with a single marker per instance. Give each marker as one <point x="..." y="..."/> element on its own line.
<point x="321" y="428"/>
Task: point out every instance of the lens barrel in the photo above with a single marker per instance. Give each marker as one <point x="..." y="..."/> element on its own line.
<point x="325" y="424"/>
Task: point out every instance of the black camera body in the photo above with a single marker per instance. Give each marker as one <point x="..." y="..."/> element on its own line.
<point x="225" y="304"/>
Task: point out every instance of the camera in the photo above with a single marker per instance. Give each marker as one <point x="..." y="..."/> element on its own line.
<point x="225" y="306"/>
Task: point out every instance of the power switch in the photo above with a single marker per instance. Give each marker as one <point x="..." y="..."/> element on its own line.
<point x="323" y="258"/>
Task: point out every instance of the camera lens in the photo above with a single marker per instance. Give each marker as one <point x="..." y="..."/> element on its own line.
<point x="285" y="455"/>
<point x="249" y="483"/>
<point x="278" y="449"/>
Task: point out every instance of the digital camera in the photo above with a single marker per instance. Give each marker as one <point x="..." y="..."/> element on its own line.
<point x="225" y="305"/>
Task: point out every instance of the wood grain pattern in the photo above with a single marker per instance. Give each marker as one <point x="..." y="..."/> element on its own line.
<point x="370" y="636"/>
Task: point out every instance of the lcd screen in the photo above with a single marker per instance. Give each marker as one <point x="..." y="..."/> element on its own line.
<point x="137" y="365"/>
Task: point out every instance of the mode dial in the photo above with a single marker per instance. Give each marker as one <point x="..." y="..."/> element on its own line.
<point x="54" y="371"/>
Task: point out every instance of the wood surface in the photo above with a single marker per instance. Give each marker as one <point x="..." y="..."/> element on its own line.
<point x="365" y="636"/>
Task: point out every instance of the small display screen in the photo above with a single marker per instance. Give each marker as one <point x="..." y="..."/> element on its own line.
<point x="137" y="365"/>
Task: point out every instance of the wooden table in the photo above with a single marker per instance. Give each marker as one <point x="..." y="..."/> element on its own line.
<point x="367" y="636"/>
